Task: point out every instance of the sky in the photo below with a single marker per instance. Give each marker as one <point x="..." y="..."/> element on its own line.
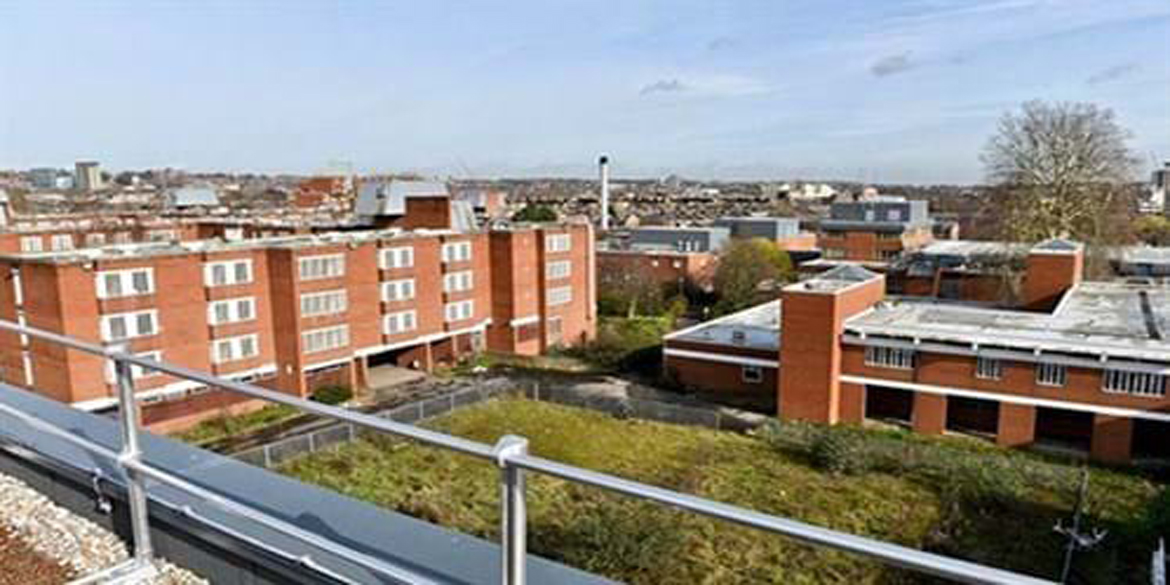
<point x="867" y="90"/>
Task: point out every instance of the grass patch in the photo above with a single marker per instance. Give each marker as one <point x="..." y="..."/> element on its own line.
<point x="228" y="426"/>
<point x="637" y="542"/>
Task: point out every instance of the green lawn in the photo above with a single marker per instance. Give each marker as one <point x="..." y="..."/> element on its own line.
<point x="229" y="426"/>
<point x="638" y="542"/>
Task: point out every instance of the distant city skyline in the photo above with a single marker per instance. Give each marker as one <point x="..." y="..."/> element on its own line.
<point x="884" y="92"/>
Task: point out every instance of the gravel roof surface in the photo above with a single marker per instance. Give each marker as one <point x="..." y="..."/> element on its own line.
<point x="66" y="541"/>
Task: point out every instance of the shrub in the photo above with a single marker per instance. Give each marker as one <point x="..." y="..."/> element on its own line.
<point x="1158" y="514"/>
<point x="839" y="452"/>
<point x="332" y="395"/>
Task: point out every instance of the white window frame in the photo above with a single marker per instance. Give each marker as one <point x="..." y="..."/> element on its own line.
<point x="61" y="242"/>
<point x="404" y="322"/>
<point x="330" y="302"/>
<point x="95" y="239"/>
<point x="333" y="266"/>
<point x="1051" y="374"/>
<point x="229" y="267"/>
<point x="752" y="374"/>
<point x="32" y="244"/>
<point x="558" y="269"/>
<point x="236" y="348"/>
<point x="458" y="281"/>
<point x="234" y="314"/>
<point x="335" y="337"/>
<point x="1145" y="384"/>
<point x="561" y="295"/>
<point x="456" y="252"/>
<point x="398" y="290"/>
<point x="137" y="372"/>
<point x="894" y="358"/>
<point x="125" y="280"/>
<point x="459" y="311"/>
<point x="123" y="238"/>
<point x="396" y="257"/>
<point x="987" y="368"/>
<point x="558" y="243"/>
<point x="161" y="235"/>
<point x="131" y="321"/>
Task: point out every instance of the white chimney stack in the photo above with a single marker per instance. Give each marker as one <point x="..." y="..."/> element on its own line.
<point x="603" y="162"/>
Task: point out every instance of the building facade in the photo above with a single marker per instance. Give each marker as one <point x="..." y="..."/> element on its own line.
<point x="875" y="230"/>
<point x="293" y="313"/>
<point x="1077" y="366"/>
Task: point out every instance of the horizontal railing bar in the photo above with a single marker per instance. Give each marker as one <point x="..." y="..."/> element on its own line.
<point x="278" y="525"/>
<point x="889" y="553"/>
<point x="217" y="499"/>
<point x="372" y="422"/>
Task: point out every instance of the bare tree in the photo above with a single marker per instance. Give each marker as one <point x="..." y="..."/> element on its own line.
<point x="1060" y="170"/>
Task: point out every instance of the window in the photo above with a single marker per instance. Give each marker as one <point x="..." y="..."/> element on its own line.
<point x="558" y="269"/>
<point x="458" y="311"/>
<point x="32" y="244"/>
<point x="95" y="239"/>
<point x="61" y="242"/>
<point x="457" y="281"/>
<point x="889" y="357"/>
<point x="752" y="374"/>
<point x="330" y="302"/>
<point x="834" y="253"/>
<point x="399" y="322"/>
<point x="397" y="258"/>
<point x="560" y="295"/>
<point x="120" y="326"/>
<point x="317" y="267"/>
<point x="456" y="252"/>
<point x="555" y="331"/>
<point x="988" y="368"/>
<point x="230" y="349"/>
<point x="894" y="215"/>
<point x="558" y="243"/>
<point x="136" y="371"/>
<point x="125" y="283"/>
<point x="123" y="238"/>
<point x="889" y="255"/>
<point x="1048" y="374"/>
<point x="161" y="235"/>
<point x="1136" y="383"/>
<point x="325" y="339"/>
<point x="398" y="290"/>
<point x="227" y="273"/>
<point x="231" y="310"/>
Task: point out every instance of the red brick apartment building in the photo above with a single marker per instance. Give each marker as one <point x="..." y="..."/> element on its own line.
<point x="1080" y="366"/>
<point x="295" y="312"/>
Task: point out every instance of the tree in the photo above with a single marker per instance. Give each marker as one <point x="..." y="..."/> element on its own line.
<point x="1060" y="170"/>
<point x="536" y="213"/>
<point x="629" y="293"/>
<point x="1153" y="229"/>
<point x="747" y="270"/>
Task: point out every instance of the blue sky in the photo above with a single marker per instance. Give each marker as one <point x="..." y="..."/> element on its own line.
<point x="878" y="90"/>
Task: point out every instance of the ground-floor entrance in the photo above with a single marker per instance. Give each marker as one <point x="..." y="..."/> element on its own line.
<point x="889" y="404"/>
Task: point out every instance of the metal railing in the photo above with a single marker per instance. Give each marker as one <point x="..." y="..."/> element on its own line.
<point x="510" y="454"/>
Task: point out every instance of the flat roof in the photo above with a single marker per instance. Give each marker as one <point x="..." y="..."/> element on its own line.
<point x="973" y="248"/>
<point x="757" y="327"/>
<point x="1102" y="318"/>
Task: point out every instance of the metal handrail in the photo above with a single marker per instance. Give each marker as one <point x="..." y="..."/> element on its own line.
<point x="510" y="454"/>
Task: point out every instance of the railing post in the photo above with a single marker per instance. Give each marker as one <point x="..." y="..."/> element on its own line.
<point x="513" y="510"/>
<point x="132" y="453"/>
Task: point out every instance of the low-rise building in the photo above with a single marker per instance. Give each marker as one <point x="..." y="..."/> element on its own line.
<point x="784" y="231"/>
<point x="878" y="229"/>
<point x="1079" y="366"/>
